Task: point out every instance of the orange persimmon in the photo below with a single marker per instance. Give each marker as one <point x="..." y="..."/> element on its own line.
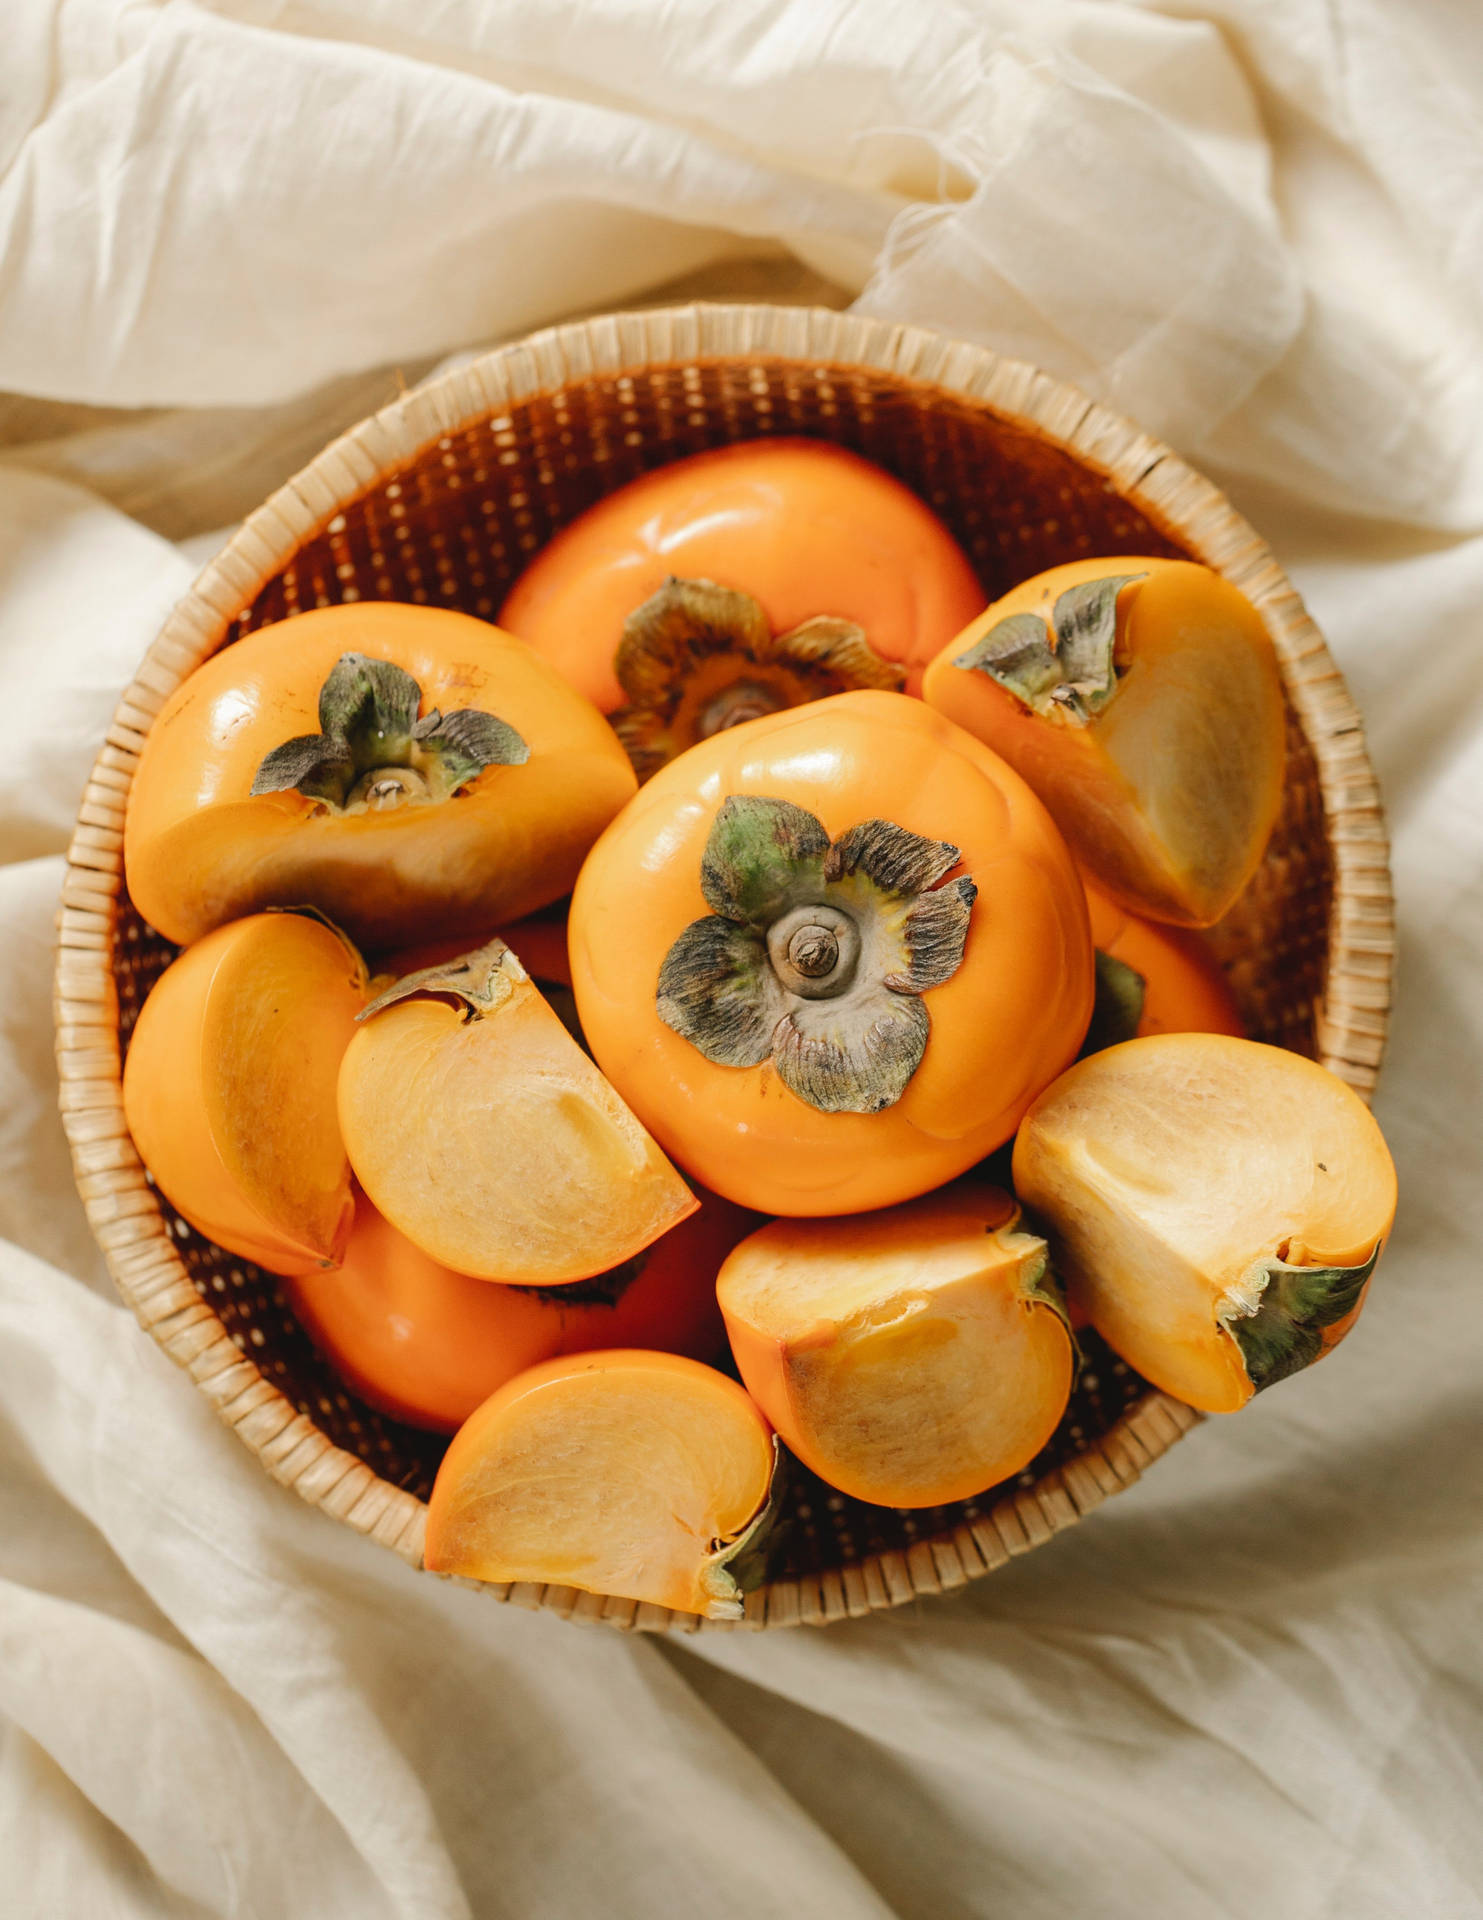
<point x="480" y="1128"/>
<point x="637" y="1474"/>
<point x="1142" y="701"/>
<point x="230" y="1088"/>
<point x="909" y="1357"/>
<point x="741" y="581"/>
<point x="1215" y="1206"/>
<point x="1163" y="979"/>
<point x="428" y="1345"/>
<point x="413" y="772"/>
<point x="782" y="962"/>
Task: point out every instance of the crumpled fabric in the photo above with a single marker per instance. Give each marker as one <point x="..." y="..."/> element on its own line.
<point x="1251" y="1685"/>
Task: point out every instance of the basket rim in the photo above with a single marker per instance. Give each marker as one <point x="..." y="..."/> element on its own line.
<point x="122" y="1208"/>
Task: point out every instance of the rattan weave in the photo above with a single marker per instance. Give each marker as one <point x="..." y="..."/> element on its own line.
<point x="441" y="498"/>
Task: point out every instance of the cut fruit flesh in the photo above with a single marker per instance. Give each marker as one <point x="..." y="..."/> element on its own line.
<point x="489" y="1138"/>
<point x="910" y="1357"/>
<point x="640" y="1475"/>
<point x="1171" y="1172"/>
<point x="230" y="1088"/>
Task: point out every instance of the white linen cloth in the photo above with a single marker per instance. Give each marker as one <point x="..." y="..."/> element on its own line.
<point x="1252" y="1685"/>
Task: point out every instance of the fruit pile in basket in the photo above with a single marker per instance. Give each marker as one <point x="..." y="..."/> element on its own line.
<point x="559" y="1012"/>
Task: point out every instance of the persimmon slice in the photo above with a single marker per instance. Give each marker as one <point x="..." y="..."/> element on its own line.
<point x="909" y="1357"/>
<point x="1215" y="1206"/>
<point x="230" y="1088"/>
<point x="641" y="1475"/>
<point x="1141" y="699"/>
<point x="480" y="1128"/>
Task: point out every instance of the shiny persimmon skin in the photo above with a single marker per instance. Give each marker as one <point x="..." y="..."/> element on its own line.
<point x="199" y="849"/>
<point x="428" y="1345"/>
<point x="471" y="1516"/>
<point x="1184" y="990"/>
<point x="1195" y="663"/>
<point x="805" y="527"/>
<point x="1005" y="1024"/>
<point x="229" y="1088"/>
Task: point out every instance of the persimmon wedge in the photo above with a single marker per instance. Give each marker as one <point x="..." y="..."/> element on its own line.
<point x="411" y="771"/>
<point x="909" y="1357"/>
<point x="637" y="1474"/>
<point x="479" y="1127"/>
<point x="741" y="581"/>
<point x="230" y="1088"/>
<point x="428" y="1345"/>
<point x="1215" y="1206"/>
<point x="1141" y="699"/>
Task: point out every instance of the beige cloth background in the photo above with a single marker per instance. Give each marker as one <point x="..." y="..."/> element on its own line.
<point x="1251" y="1686"/>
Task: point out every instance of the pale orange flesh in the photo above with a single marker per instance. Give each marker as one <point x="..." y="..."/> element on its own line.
<point x="1163" y="1169"/>
<point x="497" y="1146"/>
<point x="1169" y="795"/>
<point x="619" y="1473"/>
<point x="428" y="1345"/>
<point x="905" y="1356"/>
<point x="230" y="1088"/>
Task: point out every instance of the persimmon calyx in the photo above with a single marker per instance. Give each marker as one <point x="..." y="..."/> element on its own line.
<point x="483" y="980"/>
<point x="816" y="954"/>
<point x="1276" y="1313"/>
<point x="1064" y="669"/>
<point x="1117" y="1004"/>
<point x="374" y="752"/>
<point x="734" y="1567"/>
<point x="696" y="658"/>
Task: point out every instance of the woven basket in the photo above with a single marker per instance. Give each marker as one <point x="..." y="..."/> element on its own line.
<point x="441" y="498"/>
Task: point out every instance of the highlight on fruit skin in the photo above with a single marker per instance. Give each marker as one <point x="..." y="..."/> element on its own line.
<point x="427" y="1345"/>
<point x="640" y="1475"/>
<point x="1141" y="699"/>
<point x="1215" y="1206"/>
<point x="413" y="772"/>
<point x="739" y="582"/>
<point x="230" y="1088"/>
<point x="783" y="962"/>
<point x="909" y="1357"/>
<point x="480" y="1128"/>
<point x="1153" y="978"/>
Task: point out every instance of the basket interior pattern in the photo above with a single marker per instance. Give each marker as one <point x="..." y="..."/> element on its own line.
<point x="452" y="524"/>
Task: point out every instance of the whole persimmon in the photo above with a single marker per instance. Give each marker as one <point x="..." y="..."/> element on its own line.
<point x="1142" y="701"/>
<point x="428" y="1345"/>
<point x="831" y="956"/>
<point x="230" y="1087"/>
<point x="1153" y="978"/>
<point x="411" y="771"/>
<point x="739" y="582"/>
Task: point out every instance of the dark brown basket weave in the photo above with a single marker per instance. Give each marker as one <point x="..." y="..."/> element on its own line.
<point x="441" y="499"/>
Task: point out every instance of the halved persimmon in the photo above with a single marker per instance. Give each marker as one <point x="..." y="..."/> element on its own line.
<point x="830" y="957"/>
<point x="413" y="772"/>
<point x="481" y="1129"/>
<point x="1142" y="701"/>
<point x="641" y="1475"/>
<point x="741" y="581"/>
<point x="428" y="1345"/>
<point x="1153" y="978"/>
<point x="1217" y="1207"/>
<point x="230" y="1088"/>
<point x="909" y="1357"/>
